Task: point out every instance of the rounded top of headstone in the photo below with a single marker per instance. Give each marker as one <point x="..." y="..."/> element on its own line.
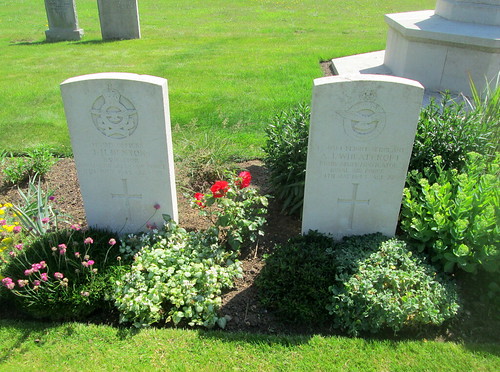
<point x="486" y="12"/>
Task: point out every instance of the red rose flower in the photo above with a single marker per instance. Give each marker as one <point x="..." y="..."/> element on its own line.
<point x="219" y="189"/>
<point x="244" y="179"/>
<point x="198" y="199"/>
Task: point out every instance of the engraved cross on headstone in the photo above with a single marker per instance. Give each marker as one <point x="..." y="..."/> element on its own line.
<point x="126" y="196"/>
<point x="353" y="201"/>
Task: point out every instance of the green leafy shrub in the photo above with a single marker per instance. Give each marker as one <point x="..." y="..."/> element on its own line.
<point x="387" y="287"/>
<point x="295" y="280"/>
<point x="37" y="161"/>
<point x="63" y="275"/>
<point x="176" y="276"/>
<point x="456" y="216"/>
<point x="448" y="130"/>
<point x="286" y="155"/>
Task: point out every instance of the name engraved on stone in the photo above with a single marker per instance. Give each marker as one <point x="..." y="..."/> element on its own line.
<point x="126" y="196"/>
<point x="114" y="115"/>
<point x="353" y="202"/>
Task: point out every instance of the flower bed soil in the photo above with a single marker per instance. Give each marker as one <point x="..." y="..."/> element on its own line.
<point x="476" y="323"/>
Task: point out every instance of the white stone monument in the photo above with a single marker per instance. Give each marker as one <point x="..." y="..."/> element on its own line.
<point x="120" y="133"/>
<point x="63" y="21"/>
<point x="119" y="19"/>
<point x="442" y="48"/>
<point x="360" y="141"/>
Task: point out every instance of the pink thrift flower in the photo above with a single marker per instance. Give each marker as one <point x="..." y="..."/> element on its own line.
<point x="58" y="275"/>
<point x="3" y="222"/>
<point x="44" y="276"/>
<point x="62" y="246"/>
<point x="90" y="262"/>
<point x="21" y="283"/>
<point x="36" y="283"/>
<point x="8" y="282"/>
<point x="88" y="240"/>
<point x="77" y="254"/>
<point x="28" y="272"/>
<point x="112" y="242"/>
<point x="19" y="247"/>
<point x="156" y="206"/>
<point x="35" y="267"/>
<point x="43" y="264"/>
<point x="85" y="264"/>
<point x="75" y="227"/>
<point x="62" y="251"/>
<point x="17" y="229"/>
<point x="45" y="220"/>
<point x="12" y="254"/>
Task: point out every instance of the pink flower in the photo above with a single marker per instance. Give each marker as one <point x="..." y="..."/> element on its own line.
<point x="244" y="179"/>
<point x="36" y="283"/>
<point x="151" y="226"/>
<point x="45" y="220"/>
<point x="62" y="246"/>
<point x="77" y="254"/>
<point x="28" y="272"/>
<point x="112" y="242"/>
<point x="19" y="247"/>
<point x="156" y="206"/>
<point x="52" y="198"/>
<point x="8" y="282"/>
<point x="36" y="267"/>
<point x="58" y="275"/>
<point x="12" y="254"/>
<point x="43" y="264"/>
<point x="90" y="262"/>
<point x="21" y="283"/>
<point x="17" y="229"/>
<point x="88" y="240"/>
<point x="3" y="222"/>
<point x="75" y="227"/>
<point x="44" y="276"/>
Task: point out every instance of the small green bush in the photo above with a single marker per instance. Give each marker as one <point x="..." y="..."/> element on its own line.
<point x="37" y="161"/>
<point x="448" y="130"/>
<point x="295" y="280"/>
<point x="176" y="276"/>
<point x="387" y="287"/>
<point x="64" y="275"/>
<point x="456" y="216"/>
<point x="286" y="156"/>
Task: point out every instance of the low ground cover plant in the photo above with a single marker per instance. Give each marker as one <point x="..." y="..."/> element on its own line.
<point x="362" y="284"/>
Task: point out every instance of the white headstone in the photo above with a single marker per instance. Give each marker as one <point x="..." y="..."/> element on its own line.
<point x="119" y="19"/>
<point x="120" y="132"/>
<point x="360" y="141"/>
<point x="63" y="21"/>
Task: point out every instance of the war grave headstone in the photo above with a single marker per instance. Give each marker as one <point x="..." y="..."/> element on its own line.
<point x="63" y="21"/>
<point x="119" y="125"/>
<point x="119" y="19"/>
<point x="360" y="141"/>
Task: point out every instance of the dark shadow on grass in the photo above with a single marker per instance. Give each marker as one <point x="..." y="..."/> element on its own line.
<point x="81" y="42"/>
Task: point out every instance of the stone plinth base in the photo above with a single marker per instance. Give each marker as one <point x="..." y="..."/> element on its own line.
<point x="63" y="35"/>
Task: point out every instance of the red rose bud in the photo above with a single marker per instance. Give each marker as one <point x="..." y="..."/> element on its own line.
<point x="219" y="189"/>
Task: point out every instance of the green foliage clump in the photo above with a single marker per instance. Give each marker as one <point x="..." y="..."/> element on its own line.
<point x="176" y="276"/>
<point x="456" y="216"/>
<point x="448" y="130"/>
<point x="286" y="156"/>
<point x="295" y="280"/>
<point x="363" y="284"/>
<point x="387" y="287"/>
<point x="64" y="275"/>
<point x="37" y="161"/>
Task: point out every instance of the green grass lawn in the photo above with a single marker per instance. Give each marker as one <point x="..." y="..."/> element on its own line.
<point x="230" y="65"/>
<point x="79" y="347"/>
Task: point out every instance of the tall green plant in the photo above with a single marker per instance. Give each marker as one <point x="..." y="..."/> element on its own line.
<point x="286" y="156"/>
<point x="456" y="216"/>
